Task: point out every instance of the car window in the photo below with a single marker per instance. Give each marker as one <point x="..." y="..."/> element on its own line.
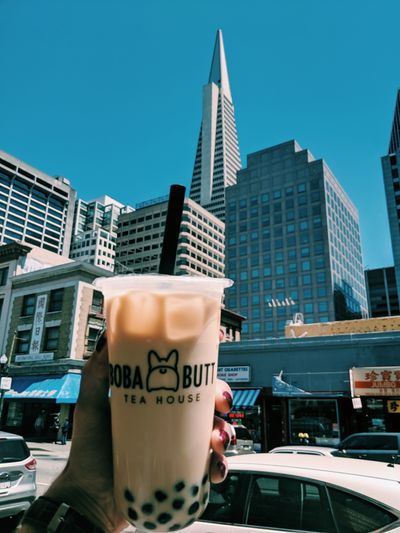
<point x="358" y="442"/>
<point x="224" y="503"/>
<point x="382" y="442"/>
<point x="13" y="451"/>
<point x="289" y="503"/>
<point x="356" y="515"/>
<point x="242" y="433"/>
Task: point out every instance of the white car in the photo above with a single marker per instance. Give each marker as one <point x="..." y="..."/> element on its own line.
<point x="289" y="493"/>
<point x="307" y="450"/>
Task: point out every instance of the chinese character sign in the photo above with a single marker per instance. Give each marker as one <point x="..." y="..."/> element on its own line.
<point x="393" y="406"/>
<point x="377" y="381"/>
<point x="38" y="323"/>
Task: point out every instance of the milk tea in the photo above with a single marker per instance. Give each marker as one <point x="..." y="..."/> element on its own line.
<point x="162" y="336"/>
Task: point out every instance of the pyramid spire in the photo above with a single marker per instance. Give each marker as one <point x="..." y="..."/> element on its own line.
<point x="217" y="156"/>
<point x="394" y="145"/>
<point x="219" y="70"/>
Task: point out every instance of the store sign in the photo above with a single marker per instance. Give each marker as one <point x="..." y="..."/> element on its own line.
<point x="393" y="406"/>
<point x="38" y="323"/>
<point x="5" y="383"/>
<point x="234" y="374"/>
<point x="375" y="381"/>
<point x="34" y="357"/>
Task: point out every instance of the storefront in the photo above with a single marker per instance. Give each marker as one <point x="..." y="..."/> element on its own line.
<point x="36" y="405"/>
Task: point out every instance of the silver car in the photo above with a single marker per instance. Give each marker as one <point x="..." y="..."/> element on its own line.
<point x="241" y="442"/>
<point x="17" y="476"/>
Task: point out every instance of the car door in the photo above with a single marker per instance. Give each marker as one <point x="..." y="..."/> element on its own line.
<point x="226" y="505"/>
<point x="354" y="446"/>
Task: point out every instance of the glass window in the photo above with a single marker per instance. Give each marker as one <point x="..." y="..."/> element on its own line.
<point x="3" y="276"/>
<point x="277" y="195"/>
<point x="317" y="418"/>
<point x="244" y="301"/>
<point x="279" y="270"/>
<point x="255" y="273"/>
<point x="321" y="277"/>
<point x="305" y="266"/>
<point x="225" y="497"/>
<point x="356" y="515"/>
<point x="308" y="307"/>
<point x="290" y="228"/>
<point x="256" y="327"/>
<point x="301" y="187"/>
<point x="306" y="279"/>
<point x="303" y="225"/>
<point x="56" y="300"/>
<point x="267" y="284"/>
<point x="243" y="275"/>
<point x="305" y="251"/>
<point x="289" y="191"/>
<point x="23" y="339"/>
<point x="321" y="291"/>
<point x="267" y="271"/>
<point x="320" y="262"/>
<point x="323" y="306"/>
<point x="51" y="338"/>
<point x="280" y="283"/>
<point x="265" y="198"/>
<point x="28" y="305"/>
<point x="242" y="203"/>
<point x="307" y="293"/>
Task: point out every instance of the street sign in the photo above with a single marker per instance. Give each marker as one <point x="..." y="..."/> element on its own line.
<point x="5" y="383"/>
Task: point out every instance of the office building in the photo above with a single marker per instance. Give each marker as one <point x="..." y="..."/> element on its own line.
<point x="391" y="167"/>
<point x="35" y="208"/>
<point x="382" y="294"/>
<point x="140" y="235"/>
<point x="217" y="156"/>
<point x="292" y="243"/>
<point x="95" y="231"/>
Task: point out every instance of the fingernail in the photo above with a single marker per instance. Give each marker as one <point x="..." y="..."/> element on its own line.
<point x="228" y="398"/>
<point x="222" y="468"/>
<point x="225" y="438"/>
<point x="101" y="342"/>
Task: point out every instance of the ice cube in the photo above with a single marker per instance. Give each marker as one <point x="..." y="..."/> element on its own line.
<point x="139" y="314"/>
<point x="184" y="317"/>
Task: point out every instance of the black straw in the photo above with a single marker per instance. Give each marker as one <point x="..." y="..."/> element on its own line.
<point x="172" y="227"/>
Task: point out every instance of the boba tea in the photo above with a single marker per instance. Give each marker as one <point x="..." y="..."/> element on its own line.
<point x="162" y="336"/>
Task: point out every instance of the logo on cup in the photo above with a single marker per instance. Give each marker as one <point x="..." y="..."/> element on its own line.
<point x="162" y="373"/>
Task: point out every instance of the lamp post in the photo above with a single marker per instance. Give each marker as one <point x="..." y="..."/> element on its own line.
<point x="3" y="388"/>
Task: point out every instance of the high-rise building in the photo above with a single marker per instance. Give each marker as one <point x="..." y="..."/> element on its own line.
<point x="95" y="231"/>
<point x="217" y="156"/>
<point x="34" y="208"/>
<point x="292" y="243"/>
<point x="382" y="292"/>
<point x="391" y="168"/>
<point x="201" y="244"/>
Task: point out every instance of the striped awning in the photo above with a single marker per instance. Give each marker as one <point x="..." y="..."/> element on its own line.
<point x="244" y="398"/>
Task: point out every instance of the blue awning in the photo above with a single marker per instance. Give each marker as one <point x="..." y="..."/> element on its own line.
<point x="244" y="398"/>
<point x="62" y="389"/>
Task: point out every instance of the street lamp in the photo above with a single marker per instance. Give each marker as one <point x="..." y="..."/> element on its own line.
<point x="3" y="372"/>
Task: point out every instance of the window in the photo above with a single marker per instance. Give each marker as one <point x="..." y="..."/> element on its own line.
<point x="354" y="514"/>
<point x="56" y="300"/>
<point x="91" y="339"/>
<point x="51" y="338"/>
<point x="3" y="276"/>
<point x="23" y="339"/>
<point x="225" y="497"/>
<point x="318" y="418"/>
<point x="28" y="305"/>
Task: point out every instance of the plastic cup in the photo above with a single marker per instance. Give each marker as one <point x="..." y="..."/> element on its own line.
<point x="162" y="334"/>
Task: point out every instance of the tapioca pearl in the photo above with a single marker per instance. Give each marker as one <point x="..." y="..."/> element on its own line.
<point x="132" y="514"/>
<point x="175" y="527"/>
<point x="129" y="496"/>
<point x="160" y="495"/>
<point x="163" y="518"/>
<point x="147" y="508"/>
<point x="149" y="525"/>
<point x="205" y="479"/>
<point x="194" y="490"/>
<point x="178" y="503"/>
<point x="179" y="486"/>
<point x="194" y="507"/>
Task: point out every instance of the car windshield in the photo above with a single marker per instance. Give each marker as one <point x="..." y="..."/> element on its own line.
<point x="13" y="450"/>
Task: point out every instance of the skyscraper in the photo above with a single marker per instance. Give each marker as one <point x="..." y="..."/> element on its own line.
<point x="35" y="208"/>
<point x="292" y="243"/>
<point x="217" y="156"/>
<point x="391" y="168"/>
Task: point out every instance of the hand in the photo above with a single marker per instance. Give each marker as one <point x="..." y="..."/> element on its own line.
<point x="86" y="484"/>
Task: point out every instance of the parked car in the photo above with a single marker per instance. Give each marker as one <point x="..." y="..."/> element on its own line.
<point x="17" y="475"/>
<point x="305" y="450"/>
<point x="241" y="442"/>
<point x="276" y="492"/>
<point x="378" y="446"/>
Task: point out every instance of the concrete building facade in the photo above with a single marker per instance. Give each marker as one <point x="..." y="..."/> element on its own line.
<point x="292" y="243"/>
<point x="35" y="208"/>
<point x="217" y="156"/>
<point x="95" y="231"/>
<point x="201" y="246"/>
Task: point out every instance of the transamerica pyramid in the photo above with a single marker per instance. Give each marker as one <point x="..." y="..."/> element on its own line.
<point x="217" y="156"/>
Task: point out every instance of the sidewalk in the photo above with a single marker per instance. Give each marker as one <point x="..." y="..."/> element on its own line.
<point x="46" y="449"/>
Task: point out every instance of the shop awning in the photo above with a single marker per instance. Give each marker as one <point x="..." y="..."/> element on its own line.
<point x="63" y="388"/>
<point x="244" y="398"/>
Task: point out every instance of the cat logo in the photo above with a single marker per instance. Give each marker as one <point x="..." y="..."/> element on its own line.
<point x="162" y="373"/>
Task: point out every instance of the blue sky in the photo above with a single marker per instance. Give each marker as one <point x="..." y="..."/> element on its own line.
<point x="108" y="92"/>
